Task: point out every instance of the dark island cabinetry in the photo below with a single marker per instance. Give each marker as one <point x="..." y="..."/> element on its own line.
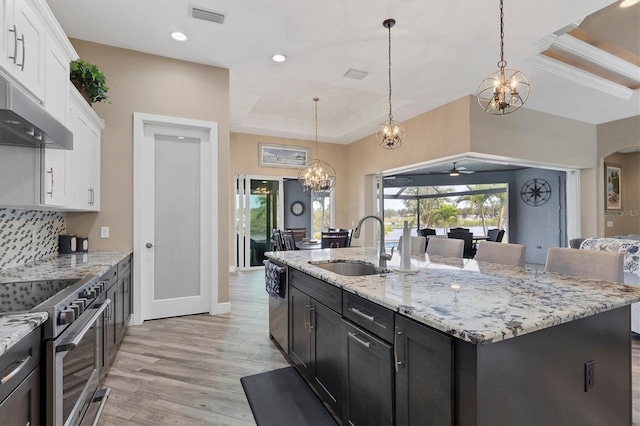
<point x="376" y="359"/>
<point x="20" y="389"/>
<point x="368" y="377"/>
<point x="117" y="282"/>
<point x="315" y="336"/>
<point x="424" y="375"/>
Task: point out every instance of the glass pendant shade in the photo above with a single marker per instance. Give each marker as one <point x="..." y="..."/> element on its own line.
<point x="505" y="90"/>
<point x="318" y="176"/>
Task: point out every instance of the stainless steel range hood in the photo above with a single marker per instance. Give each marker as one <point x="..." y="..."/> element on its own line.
<point x="23" y="122"/>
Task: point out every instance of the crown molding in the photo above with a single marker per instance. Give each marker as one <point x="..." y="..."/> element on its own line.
<point x="597" y="56"/>
<point x="580" y="76"/>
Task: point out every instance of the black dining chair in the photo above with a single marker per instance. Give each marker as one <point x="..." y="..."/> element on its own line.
<point x="426" y="232"/>
<point x="348" y="231"/>
<point x="276" y="240"/>
<point x="288" y="240"/>
<point x="495" y="235"/>
<point x="459" y="230"/>
<point x="334" y="239"/>
<point x="467" y="237"/>
<point x="298" y="233"/>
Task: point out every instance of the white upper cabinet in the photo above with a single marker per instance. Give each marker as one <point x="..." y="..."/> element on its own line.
<point x="56" y="95"/>
<point x="24" y="36"/>
<point x="86" y="127"/>
<point x="56" y="189"/>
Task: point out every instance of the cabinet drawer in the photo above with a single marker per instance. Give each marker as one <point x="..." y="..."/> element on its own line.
<point x="22" y="407"/>
<point x="110" y="277"/>
<point x="323" y="292"/>
<point x="20" y="360"/>
<point x="124" y="266"/>
<point x="374" y="318"/>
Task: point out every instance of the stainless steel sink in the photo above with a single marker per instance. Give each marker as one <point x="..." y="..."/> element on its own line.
<point x="352" y="269"/>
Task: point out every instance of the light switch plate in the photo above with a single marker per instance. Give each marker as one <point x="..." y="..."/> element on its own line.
<point x="609" y="224"/>
<point x="104" y="232"/>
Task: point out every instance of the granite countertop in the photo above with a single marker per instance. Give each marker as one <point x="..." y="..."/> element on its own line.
<point x="75" y="265"/>
<point x="493" y="302"/>
<point x="14" y="327"/>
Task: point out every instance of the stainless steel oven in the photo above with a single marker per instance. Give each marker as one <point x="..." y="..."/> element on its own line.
<point x="73" y="362"/>
<point x="73" y="343"/>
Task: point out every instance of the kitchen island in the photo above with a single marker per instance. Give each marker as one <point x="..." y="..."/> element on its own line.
<point x="460" y="341"/>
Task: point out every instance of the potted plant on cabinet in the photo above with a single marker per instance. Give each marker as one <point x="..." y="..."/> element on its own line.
<point x="89" y="80"/>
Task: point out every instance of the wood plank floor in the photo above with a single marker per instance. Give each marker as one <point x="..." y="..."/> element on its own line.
<point x="187" y="370"/>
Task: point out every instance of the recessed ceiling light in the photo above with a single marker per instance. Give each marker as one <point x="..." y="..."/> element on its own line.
<point x="177" y="35"/>
<point x="628" y="3"/>
<point x="279" y="58"/>
<point x="180" y="137"/>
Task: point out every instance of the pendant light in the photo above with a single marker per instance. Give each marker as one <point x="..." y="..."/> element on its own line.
<point x="318" y="176"/>
<point x="506" y="90"/>
<point x="390" y="134"/>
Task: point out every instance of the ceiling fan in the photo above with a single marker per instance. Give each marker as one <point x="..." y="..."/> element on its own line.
<point x="457" y="171"/>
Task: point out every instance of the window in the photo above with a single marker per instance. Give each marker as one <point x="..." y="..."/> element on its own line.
<point x="477" y="207"/>
<point x="321" y="214"/>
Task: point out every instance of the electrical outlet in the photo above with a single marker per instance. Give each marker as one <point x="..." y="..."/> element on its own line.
<point x="104" y="232"/>
<point x="589" y="375"/>
<point x="609" y="224"/>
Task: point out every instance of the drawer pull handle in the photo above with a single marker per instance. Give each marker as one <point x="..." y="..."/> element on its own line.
<point x="359" y="340"/>
<point x="11" y="375"/>
<point x="362" y="314"/>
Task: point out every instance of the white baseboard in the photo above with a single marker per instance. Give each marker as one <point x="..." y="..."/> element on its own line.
<point x="221" y="308"/>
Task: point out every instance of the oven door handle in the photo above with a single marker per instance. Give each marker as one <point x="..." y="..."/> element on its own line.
<point x="72" y="342"/>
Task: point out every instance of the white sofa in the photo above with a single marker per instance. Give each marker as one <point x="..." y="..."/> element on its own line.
<point x="631" y="268"/>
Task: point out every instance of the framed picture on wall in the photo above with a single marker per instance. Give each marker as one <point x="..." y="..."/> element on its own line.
<point x="282" y="156"/>
<point x="613" y="186"/>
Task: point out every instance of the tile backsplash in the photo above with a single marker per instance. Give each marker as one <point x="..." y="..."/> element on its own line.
<point x="28" y="235"/>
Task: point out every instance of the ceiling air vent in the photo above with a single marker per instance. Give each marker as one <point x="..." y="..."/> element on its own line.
<point x="355" y="74"/>
<point x="206" y="15"/>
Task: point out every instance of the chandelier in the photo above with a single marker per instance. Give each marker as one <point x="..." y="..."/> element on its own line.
<point x="318" y="176"/>
<point x="505" y="90"/>
<point x="390" y="134"/>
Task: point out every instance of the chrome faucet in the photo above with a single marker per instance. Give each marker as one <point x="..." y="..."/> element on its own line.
<point x="383" y="255"/>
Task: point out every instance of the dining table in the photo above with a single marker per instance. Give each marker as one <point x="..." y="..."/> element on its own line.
<point x="308" y="245"/>
<point x="477" y="238"/>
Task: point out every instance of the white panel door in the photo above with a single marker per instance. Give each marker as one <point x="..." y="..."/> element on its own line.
<point x="176" y="226"/>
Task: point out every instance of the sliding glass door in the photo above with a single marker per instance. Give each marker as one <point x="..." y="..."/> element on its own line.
<point x="258" y="211"/>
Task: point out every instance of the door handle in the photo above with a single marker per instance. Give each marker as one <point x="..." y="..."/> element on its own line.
<point x="307" y="323"/>
<point x="50" y="171"/>
<point x="312" y="318"/>
<point x="15" y="44"/>
<point x="148" y="245"/>
<point x="395" y="348"/>
<point x="23" y="49"/>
